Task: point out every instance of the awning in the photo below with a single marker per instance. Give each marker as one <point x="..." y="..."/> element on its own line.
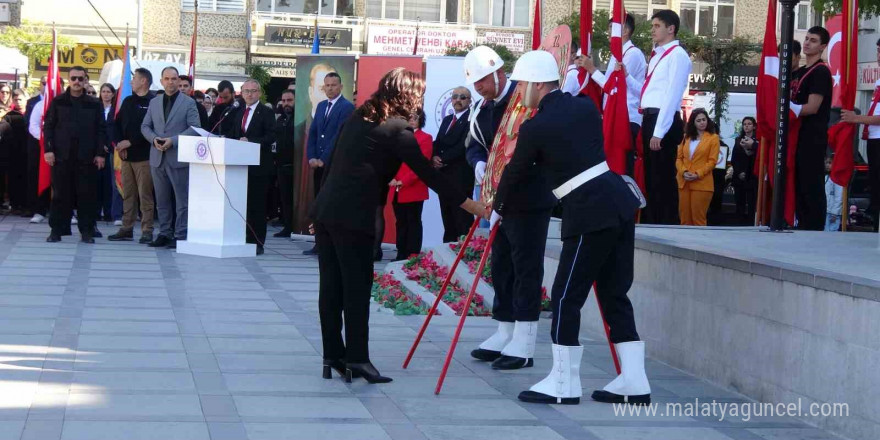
<point x="12" y="62"/>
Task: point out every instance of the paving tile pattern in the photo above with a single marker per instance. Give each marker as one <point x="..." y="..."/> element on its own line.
<point x="121" y="341"/>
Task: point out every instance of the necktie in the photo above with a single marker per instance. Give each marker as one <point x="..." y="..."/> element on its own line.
<point x="329" y="106"/>
<point x="247" y="111"/>
<point x="871" y="111"/>
<point x="451" y="124"/>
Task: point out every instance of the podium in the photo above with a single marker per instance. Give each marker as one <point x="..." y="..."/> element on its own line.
<point x="214" y="228"/>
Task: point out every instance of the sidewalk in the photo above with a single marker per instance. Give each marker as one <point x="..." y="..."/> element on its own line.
<point x="118" y="341"/>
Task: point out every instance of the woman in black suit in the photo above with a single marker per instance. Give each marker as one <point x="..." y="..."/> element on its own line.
<point x="745" y="184"/>
<point x="369" y="150"/>
<point x="109" y="199"/>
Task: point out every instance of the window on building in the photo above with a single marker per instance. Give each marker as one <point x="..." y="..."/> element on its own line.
<point x="507" y="13"/>
<point x="708" y="18"/>
<point x="321" y="7"/>
<point x="444" y="11"/>
<point x="805" y="17"/>
<point x="215" y="5"/>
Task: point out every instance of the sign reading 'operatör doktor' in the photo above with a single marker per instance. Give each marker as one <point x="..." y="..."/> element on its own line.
<point x="400" y="40"/>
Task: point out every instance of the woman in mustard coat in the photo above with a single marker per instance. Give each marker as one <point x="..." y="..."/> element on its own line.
<point x="696" y="159"/>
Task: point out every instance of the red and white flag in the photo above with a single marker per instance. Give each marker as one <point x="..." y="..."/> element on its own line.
<point x="841" y="136"/>
<point x="53" y="89"/>
<point x="615" y="124"/>
<point x="768" y="79"/>
<point x="536" y="27"/>
<point x="590" y="88"/>
<point x="192" y="47"/>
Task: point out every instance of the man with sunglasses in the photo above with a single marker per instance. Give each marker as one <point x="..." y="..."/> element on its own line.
<point x="449" y="158"/>
<point x="74" y="135"/>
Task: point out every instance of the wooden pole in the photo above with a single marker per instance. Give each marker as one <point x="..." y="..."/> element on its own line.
<point x="844" y="208"/>
<point x="762" y="187"/>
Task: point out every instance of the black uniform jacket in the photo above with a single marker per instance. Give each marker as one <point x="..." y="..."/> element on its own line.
<point x="563" y="140"/>
<point x="366" y="157"/>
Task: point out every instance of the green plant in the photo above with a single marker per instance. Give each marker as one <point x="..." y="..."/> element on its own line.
<point x="33" y="40"/>
<point x="502" y="51"/>
<point x="641" y="37"/>
<point x="829" y="8"/>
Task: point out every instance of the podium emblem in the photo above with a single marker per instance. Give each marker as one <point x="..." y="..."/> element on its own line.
<point x="201" y="150"/>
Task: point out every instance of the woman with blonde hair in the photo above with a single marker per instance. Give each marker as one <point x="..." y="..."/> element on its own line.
<point x="696" y="159"/>
<point x="370" y="148"/>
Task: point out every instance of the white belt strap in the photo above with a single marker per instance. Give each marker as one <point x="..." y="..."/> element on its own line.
<point x="580" y="179"/>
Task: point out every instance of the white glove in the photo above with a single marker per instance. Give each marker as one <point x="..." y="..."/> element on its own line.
<point x="494" y="219"/>
<point x="480" y="171"/>
<point x="796" y="109"/>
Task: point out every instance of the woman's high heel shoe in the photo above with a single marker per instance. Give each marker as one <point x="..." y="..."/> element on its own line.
<point x="334" y="364"/>
<point x="365" y="370"/>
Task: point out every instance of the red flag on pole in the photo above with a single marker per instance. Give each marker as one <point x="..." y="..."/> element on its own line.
<point x="53" y="89"/>
<point x="615" y="124"/>
<point x="536" y="27"/>
<point x="192" y="47"/>
<point x="590" y="88"/>
<point x="841" y="136"/>
<point x="768" y="81"/>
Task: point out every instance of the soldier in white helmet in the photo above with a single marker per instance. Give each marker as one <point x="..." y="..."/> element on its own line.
<point x="564" y="141"/>
<point x="518" y="249"/>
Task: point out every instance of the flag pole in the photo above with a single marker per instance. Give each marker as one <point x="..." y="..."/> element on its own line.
<point x="762" y="187"/>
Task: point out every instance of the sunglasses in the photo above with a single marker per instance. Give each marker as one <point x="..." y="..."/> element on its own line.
<point x="461" y="97"/>
<point x="77" y="78"/>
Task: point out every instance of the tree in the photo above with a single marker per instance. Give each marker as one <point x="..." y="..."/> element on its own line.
<point x="33" y="40"/>
<point x="641" y="37"/>
<point x="502" y="51"/>
<point x="829" y="8"/>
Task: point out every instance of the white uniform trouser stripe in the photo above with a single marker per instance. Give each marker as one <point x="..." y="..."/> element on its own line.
<point x="565" y="291"/>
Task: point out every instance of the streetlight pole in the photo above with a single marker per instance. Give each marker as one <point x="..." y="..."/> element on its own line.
<point x="777" y="219"/>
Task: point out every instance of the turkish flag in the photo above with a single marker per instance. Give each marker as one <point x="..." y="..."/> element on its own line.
<point x="53" y="89"/>
<point x="591" y="89"/>
<point x="842" y="135"/>
<point x="536" y="27"/>
<point x="836" y="56"/>
<point x="768" y="79"/>
<point x="615" y="124"/>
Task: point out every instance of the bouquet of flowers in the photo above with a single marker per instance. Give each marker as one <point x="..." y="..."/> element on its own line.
<point x="388" y="292"/>
<point x="424" y="270"/>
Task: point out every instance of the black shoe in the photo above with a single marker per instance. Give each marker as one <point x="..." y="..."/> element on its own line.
<point x="146" y="238"/>
<point x="97" y="234"/>
<point x="336" y="365"/>
<point x="172" y="244"/>
<point x="312" y="251"/>
<point x="66" y="233"/>
<point x="365" y="370"/>
<point x="160" y="241"/>
<point x="53" y="238"/>
<point x="606" y="397"/>
<point x="260" y="250"/>
<point x="485" y="355"/>
<point x="121" y="236"/>
<point x="512" y="363"/>
<point x="536" y="397"/>
<point x="284" y="233"/>
<point x="88" y="239"/>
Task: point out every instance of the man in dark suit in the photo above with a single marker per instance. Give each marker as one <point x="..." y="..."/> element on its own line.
<point x="186" y="87"/>
<point x="75" y="135"/>
<point x="449" y="158"/>
<point x="284" y="160"/>
<point x="221" y="119"/>
<point x="256" y="123"/>
<point x="564" y="141"/>
<point x="329" y="117"/>
<point x="169" y="116"/>
<point x="518" y="249"/>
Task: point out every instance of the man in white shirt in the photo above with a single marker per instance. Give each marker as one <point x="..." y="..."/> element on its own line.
<point x="662" y="128"/>
<point x="572" y="85"/>
<point x="634" y="65"/>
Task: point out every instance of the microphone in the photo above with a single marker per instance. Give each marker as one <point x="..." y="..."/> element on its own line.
<point x="235" y="104"/>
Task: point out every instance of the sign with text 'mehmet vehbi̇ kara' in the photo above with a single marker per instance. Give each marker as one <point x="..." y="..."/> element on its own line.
<point x="400" y="40"/>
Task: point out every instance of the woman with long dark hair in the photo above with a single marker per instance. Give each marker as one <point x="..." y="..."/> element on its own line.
<point x="109" y="199"/>
<point x="745" y="184"/>
<point x="696" y="159"/>
<point x="369" y="151"/>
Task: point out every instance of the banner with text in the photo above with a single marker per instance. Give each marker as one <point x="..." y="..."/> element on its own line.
<point x="400" y="40"/>
<point x="514" y="42"/>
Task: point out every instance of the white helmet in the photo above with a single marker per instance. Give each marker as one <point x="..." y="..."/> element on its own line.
<point x="536" y="66"/>
<point x="480" y="62"/>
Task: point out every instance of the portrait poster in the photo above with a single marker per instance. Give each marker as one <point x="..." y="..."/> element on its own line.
<point x="371" y="68"/>
<point x="310" y="73"/>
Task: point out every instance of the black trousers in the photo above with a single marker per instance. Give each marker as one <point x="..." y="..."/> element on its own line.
<point x="634" y="130"/>
<point x="38" y="203"/>
<point x="409" y="228"/>
<point x="256" y="208"/>
<point x="746" y="193"/>
<point x="285" y="190"/>
<point x="518" y="266"/>
<point x="318" y="175"/>
<point x="662" y="196"/>
<point x="73" y="180"/>
<point x="345" y="261"/>
<point x="874" y="179"/>
<point x="18" y="178"/>
<point x="810" y="186"/>
<point x="606" y="258"/>
<point x="456" y="221"/>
